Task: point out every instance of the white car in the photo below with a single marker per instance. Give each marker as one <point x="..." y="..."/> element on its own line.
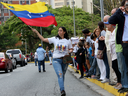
<point x="17" y="54"/>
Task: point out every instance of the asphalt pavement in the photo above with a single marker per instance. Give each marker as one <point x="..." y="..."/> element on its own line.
<point x="27" y="81"/>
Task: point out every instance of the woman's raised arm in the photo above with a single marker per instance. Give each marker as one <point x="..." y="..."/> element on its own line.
<point x="40" y="36"/>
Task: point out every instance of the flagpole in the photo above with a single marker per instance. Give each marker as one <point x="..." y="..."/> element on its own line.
<point x="74" y="19"/>
<point x="41" y="35"/>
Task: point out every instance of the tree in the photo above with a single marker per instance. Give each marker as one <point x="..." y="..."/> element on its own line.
<point x="108" y="6"/>
<point x="64" y="17"/>
<point x="7" y="39"/>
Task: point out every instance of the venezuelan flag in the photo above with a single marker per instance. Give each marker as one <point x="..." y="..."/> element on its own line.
<point x="36" y="14"/>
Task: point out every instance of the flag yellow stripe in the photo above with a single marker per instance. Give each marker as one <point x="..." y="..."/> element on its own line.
<point x="38" y="7"/>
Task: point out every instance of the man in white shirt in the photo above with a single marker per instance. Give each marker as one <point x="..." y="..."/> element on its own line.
<point x="36" y="58"/>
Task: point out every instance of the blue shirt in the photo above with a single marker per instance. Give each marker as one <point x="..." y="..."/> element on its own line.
<point x="90" y="51"/>
<point x="41" y="53"/>
<point x="125" y="35"/>
<point x="50" y="53"/>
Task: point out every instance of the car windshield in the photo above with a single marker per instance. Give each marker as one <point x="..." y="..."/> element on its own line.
<point x="1" y="55"/>
<point x="14" y="51"/>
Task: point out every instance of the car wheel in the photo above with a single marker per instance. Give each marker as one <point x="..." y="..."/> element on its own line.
<point x="22" y="63"/>
<point x="15" y="66"/>
<point x="11" y="70"/>
<point x="6" y="70"/>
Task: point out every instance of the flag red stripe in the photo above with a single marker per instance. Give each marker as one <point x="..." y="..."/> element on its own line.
<point x="43" y="21"/>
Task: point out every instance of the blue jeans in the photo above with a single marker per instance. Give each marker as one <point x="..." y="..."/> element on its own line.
<point x="90" y="59"/>
<point x="123" y="68"/>
<point x="105" y="59"/>
<point x="60" y="70"/>
<point x="36" y="60"/>
<point x="41" y="63"/>
<point x="92" y="69"/>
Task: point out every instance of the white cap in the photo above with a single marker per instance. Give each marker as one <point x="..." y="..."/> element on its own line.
<point x="81" y="38"/>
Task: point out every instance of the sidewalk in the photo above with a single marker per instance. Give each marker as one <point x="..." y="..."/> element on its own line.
<point x="92" y="83"/>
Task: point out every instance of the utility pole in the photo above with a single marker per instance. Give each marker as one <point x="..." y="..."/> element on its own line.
<point x="102" y="9"/>
<point x="74" y="19"/>
<point x="8" y="10"/>
<point x="2" y="12"/>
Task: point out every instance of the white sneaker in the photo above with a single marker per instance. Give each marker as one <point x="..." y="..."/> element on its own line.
<point x="105" y="80"/>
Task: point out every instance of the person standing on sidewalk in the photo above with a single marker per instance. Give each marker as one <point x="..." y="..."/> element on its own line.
<point x="50" y="56"/>
<point x="62" y="47"/>
<point x="41" y="57"/>
<point x="36" y="58"/>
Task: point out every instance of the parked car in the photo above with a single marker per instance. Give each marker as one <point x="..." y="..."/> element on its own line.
<point x="13" y="60"/>
<point x="25" y="60"/>
<point x="5" y="62"/>
<point x="17" y="54"/>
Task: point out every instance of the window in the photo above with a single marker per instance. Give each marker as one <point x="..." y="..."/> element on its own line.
<point x="59" y="4"/>
<point x="6" y="11"/>
<point x="22" y="2"/>
<point x="14" y="51"/>
<point x="67" y="3"/>
<point x="27" y="2"/>
<point x="5" y="18"/>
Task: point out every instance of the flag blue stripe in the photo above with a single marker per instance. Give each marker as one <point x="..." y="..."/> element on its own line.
<point x="28" y="15"/>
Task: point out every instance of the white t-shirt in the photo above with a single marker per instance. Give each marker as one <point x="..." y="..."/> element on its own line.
<point x="35" y="55"/>
<point x="61" y="46"/>
<point x="75" y="48"/>
<point x="96" y="46"/>
<point x="112" y="46"/>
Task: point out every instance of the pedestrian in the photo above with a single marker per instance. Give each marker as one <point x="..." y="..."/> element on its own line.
<point x="80" y="58"/>
<point x="36" y="58"/>
<point x="41" y="57"/>
<point x="112" y="75"/>
<point x="62" y="47"/>
<point x="111" y="28"/>
<point x="120" y="17"/>
<point x="50" y="56"/>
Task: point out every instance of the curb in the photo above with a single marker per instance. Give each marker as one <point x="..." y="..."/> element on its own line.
<point x="104" y="86"/>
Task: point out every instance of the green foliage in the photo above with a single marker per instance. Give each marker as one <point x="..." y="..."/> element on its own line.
<point x="64" y="17"/>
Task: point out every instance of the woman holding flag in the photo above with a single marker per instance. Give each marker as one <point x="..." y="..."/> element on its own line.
<point x="62" y="47"/>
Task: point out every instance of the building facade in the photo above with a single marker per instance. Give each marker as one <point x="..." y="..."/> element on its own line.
<point x="86" y="5"/>
<point x="5" y="13"/>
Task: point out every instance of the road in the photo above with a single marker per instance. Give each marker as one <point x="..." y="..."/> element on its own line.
<point x="27" y="81"/>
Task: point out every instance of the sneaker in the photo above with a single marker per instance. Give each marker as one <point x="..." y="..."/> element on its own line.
<point x="100" y="80"/>
<point x="44" y="71"/>
<point x="120" y="89"/>
<point x="105" y="80"/>
<point x="119" y="86"/>
<point x="63" y="93"/>
<point x="87" y="75"/>
<point x="81" y="77"/>
<point x="124" y="90"/>
<point x="39" y="71"/>
<point x="112" y="84"/>
<point x="50" y="63"/>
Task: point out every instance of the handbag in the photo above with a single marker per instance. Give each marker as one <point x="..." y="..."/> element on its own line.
<point x="100" y="54"/>
<point x="67" y="59"/>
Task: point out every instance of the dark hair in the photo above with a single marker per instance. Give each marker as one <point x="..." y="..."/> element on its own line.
<point x="65" y="35"/>
<point x="80" y="44"/>
<point x="93" y="35"/>
<point x="123" y="2"/>
<point x="101" y="25"/>
<point x="87" y="43"/>
<point x="85" y="31"/>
